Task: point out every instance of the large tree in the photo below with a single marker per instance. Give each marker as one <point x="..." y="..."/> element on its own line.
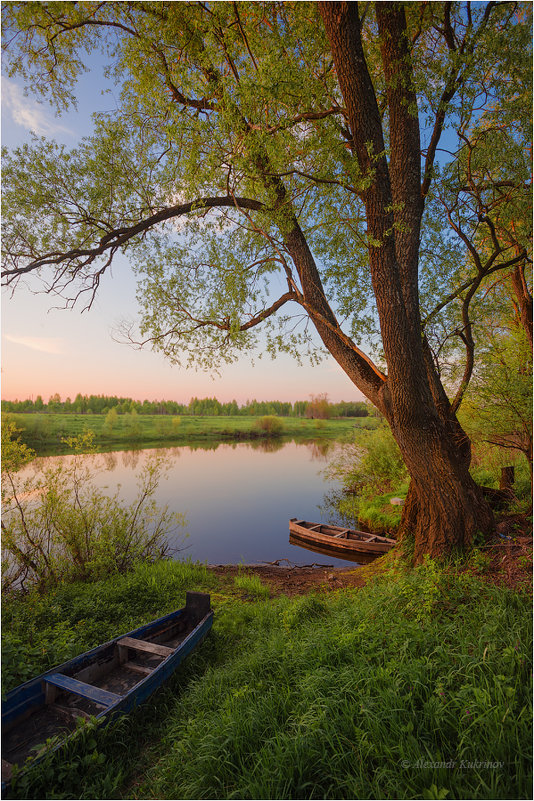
<point x="267" y="157"/>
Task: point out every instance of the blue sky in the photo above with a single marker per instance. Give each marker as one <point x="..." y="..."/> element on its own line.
<point x="47" y="349"/>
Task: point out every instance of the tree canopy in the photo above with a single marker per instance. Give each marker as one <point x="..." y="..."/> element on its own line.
<point x="274" y="165"/>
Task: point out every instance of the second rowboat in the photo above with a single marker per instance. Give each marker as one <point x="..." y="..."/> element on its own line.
<point x="346" y="543"/>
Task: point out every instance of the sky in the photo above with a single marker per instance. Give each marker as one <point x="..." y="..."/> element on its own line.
<point x="47" y="349"/>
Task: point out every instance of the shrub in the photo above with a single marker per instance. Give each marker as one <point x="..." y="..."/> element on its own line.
<point x="373" y="463"/>
<point x="382" y="463"/>
<point x="111" y="421"/>
<point x="57" y="526"/>
<point x="269" y="426"/>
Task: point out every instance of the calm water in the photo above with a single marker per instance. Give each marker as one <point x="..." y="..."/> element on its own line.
<point x="237" y="498"/>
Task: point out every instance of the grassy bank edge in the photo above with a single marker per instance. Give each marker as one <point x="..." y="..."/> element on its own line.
<point x="45" y="432"/>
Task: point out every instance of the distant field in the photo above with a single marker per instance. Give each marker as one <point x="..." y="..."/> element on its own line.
<point x="45" y="432"/>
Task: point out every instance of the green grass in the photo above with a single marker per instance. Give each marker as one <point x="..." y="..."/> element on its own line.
<point x="251" y="586"/>
<point x="374" y="511"/>
<point x="361" y="694"/>
<point x="44" y="432"/>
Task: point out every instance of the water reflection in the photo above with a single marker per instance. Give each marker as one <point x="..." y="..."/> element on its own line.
<point x="330" y="510"/>
<point x="131" y="458"/>
<point x="267" y="445"/>
<point x="320" y="449"/>
<point x="237" y="497"/>
<point x="110" y="460"/>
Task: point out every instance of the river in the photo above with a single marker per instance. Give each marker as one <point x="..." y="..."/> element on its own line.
<point x="237" y="498"/>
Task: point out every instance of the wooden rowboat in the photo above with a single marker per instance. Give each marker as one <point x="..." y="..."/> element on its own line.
<point x="110" y="679"/>
<point x="345" y="543"/>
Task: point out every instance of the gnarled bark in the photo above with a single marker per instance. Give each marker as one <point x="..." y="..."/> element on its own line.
<point x="444" y="509"/>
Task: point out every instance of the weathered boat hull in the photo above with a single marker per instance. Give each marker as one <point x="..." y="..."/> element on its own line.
<point x="334" y="553"/>
<point x="355" y="546"/>
<point x="103" y="682"/>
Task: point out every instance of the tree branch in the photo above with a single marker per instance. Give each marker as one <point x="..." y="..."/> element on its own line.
<point x="452" y="84"/>
<point x="303" y="117"/>
<point x="221" y="325"/>
<point x="453" y="295"/>
<point x="120" y="236"/>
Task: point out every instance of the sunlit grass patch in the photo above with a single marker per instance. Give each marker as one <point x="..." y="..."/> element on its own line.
<point x="251" y="586"/>
<point x="360" y="697"/>
<point x="45" y="432"/>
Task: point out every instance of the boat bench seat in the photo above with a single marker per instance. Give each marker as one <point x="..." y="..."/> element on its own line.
<point x="89" y="691"/>
<point x="145" y="646"/>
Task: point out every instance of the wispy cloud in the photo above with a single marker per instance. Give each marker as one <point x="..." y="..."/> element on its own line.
<point x="28" y="113"/>
<point x="52" y="345"/>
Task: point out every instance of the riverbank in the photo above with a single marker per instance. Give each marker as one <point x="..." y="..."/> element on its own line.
<point x="502" y="564"/>
<point x="383" y="688"/>
<point x="45" y="432"/>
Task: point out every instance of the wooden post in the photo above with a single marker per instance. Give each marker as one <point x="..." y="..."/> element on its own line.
<point x="197" y="606"/>
<point x="123" y="653"/>
<point x="507" y="478"/>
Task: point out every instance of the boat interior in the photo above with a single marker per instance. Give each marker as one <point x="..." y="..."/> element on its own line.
<point x="61" y="699"/>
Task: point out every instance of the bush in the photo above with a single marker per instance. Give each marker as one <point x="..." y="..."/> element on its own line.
<point x="269" y="426"/>
<point x="382" y="464"/>
<point x="371" y="472"/>
<point x="57" y="526"/>
<point x="372" y="464"/>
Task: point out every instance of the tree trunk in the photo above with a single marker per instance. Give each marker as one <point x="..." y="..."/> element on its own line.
<point x="444" y="508"/>
<point x="524" y="300"/>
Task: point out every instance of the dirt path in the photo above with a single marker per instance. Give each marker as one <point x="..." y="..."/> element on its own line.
<point x="292" y="580"/>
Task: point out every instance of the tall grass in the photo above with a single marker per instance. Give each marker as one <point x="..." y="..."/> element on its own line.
<point x="40" y="630"/>
<point x="416" y="686"/>
<point x="361" y="698"/>
<point x="252" y="586"/>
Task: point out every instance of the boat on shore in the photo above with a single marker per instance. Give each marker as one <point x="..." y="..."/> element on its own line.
<point x="345" y="543"/>
<point x="110" y="679"/>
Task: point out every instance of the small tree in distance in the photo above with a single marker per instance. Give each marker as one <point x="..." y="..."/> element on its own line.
<point x="319" y="407"/>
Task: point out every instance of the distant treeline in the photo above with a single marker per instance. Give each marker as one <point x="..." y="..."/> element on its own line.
<point x="317" y="407"/>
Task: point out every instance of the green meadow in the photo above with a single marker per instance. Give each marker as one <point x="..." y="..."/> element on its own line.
<point x="46" y="432"/>
<point x="417" y="685"/>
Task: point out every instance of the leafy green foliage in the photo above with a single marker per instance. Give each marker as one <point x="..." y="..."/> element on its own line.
<point x="252" y="102"/>
<point x="104" y="404"/>
<point x="371" y="472"/>
<point x="15" y="454"/>
<point x="499" y="401"/>
<point x="371" y="465"/>
<point x="242" y="184"/>
<point x="58" y="527"/>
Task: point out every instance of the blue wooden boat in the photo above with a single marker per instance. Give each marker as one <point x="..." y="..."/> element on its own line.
<point x="110" y="679"/>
